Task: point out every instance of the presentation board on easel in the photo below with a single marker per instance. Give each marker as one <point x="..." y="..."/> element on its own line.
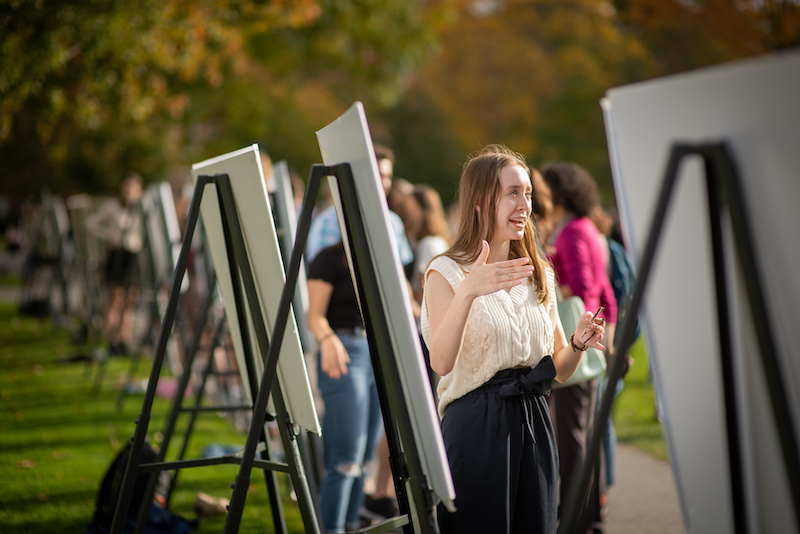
<point x="258" y="231"/>
<point x="286" y="219"/>
<point x="347" y="140"/>
<point x="163" y="231"/>
<point x="752" y="107"/>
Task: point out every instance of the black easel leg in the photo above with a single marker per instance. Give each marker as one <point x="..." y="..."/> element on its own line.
<point x="294" y="460"/>
<point x="198" y="394"/>
<point x="172" y="418"/>
<point x="726" y="350"/>
<point x="626" y="334"/>
<point x="135" y="456"/>
<point x="272" y="350"/>
<point x="406" y="465"/>
<point x="740" y="221"/>
<point x="273" y="491"/>
<point x="309" y="460"/>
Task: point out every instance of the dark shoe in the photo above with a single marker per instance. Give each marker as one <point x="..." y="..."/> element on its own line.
<point x="380" y="509"/>
<point x="118" y="349"/>
<point x="81" y="335"/>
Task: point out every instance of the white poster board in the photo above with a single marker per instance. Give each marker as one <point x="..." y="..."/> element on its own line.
<point x="347" y="140"/>
<point x="286" y="216"/>
<point x="753" y="106"/>
<point x="258" y="231"/>
<point x="163" y="264"/>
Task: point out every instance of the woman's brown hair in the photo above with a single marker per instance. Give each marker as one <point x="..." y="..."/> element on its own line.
<point x="480" y="187"/>
<point x="434" y="221"/>
<point x="542" y="205"/>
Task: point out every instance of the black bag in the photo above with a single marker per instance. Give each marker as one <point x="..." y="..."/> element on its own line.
<point x="112" y="483"/>
<point x="159" y="521"/>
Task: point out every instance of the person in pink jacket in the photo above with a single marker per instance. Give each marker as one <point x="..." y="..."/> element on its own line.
<point x="579" y="260"/>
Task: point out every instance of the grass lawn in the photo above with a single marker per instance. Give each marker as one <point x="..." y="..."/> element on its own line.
<point x="634" y="410"/>
<point x="57" y="439"/>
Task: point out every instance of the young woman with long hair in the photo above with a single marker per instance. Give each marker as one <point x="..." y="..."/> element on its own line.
<point x="490" y="320"/>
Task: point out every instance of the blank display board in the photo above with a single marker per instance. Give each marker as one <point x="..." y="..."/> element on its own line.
<point x="753" y="106"/>
<point x="347" y="140"/>
<point x="163" y="231"/>
<point x="286" y="216"/>
<point x="258" y="230"/>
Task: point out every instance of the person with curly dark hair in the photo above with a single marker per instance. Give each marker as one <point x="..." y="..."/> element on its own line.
<point x="580" y="265"/>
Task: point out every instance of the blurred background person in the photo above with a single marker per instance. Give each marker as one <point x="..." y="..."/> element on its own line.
<point x="433" y="238"/>
<point x="400" y="201"/>
<point x="325" y="231"/>
<point x="542" y="206"/>
<point x="433" y="235"/>
<point x="620" y="274"/>
<point x="119" y="223"/>
<point x="579" y="260"/>
<point x="352" y="422"/>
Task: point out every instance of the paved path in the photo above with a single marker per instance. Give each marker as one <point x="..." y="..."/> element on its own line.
<point x="644" y="499"/>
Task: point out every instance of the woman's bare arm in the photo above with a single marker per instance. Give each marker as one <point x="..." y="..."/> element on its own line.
<point x="332" y="352"/>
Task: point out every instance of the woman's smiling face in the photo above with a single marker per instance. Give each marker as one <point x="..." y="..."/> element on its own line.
<point x="513" y="208"/>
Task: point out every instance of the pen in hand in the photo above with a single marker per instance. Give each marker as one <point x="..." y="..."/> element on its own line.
<point x="599" y="310"/>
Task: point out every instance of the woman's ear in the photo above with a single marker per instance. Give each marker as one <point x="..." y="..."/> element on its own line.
<point x="477" y="208"/>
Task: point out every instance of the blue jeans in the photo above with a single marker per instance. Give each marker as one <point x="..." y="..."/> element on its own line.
<point x="610" y="436"/>
<point x="351" y="427"/>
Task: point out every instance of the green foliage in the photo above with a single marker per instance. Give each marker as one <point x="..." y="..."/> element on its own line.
<point x="687" y="35"/>
<point x="91" y="91"/>
<point x="526" y="74"/>
<point x="426" y="151"/>
<point x="90" y="94"/>
<point x="58" y="439"/>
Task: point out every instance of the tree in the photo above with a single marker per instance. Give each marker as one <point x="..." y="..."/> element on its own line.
<point x="684" y="35"/>
<point x="529" y="74"/>
<point x="92" y="91"/>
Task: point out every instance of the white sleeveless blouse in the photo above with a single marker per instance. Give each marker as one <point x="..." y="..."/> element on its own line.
<point x="504" y="330"/>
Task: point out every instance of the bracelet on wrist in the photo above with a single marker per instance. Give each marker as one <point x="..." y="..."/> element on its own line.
<point x="326" y="336"/>
<point x="574" y="346"/>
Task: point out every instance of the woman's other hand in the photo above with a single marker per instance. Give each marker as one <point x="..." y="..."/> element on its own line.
<point x="590" y="333"/>
<point x="334" y="357"/>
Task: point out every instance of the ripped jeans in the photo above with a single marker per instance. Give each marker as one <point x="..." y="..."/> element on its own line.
<point x="351" y="427"/>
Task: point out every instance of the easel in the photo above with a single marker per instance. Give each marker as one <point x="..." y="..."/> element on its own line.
<point x="239" y="269"/>
<point x="285" y="217"/>
<point x="87" y="260"/>
<point x="724" y="193"/>
<point x="152" y="280"/>
<point x="50" y="256"/>
<point x="415" y="500"/>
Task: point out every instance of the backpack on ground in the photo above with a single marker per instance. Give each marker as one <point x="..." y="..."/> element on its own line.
<point x="158" y="520"/>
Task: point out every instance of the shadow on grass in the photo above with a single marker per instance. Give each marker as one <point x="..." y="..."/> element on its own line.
<point x="67" y="498"/>
<point x="74" y="526"/>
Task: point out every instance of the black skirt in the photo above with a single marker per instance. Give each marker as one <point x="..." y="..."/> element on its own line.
<point x="503" y="455"/>
<point x="120" y="266"/>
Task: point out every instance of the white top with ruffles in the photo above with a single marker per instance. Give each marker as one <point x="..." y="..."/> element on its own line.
<point x="504" y="330"/>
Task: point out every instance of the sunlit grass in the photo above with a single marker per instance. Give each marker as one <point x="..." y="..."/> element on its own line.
<point x="634" y="411"/>
<point x="57" y="439"/>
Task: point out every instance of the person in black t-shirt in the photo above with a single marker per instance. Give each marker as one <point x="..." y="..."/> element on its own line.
<point x="352" y="423"/>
